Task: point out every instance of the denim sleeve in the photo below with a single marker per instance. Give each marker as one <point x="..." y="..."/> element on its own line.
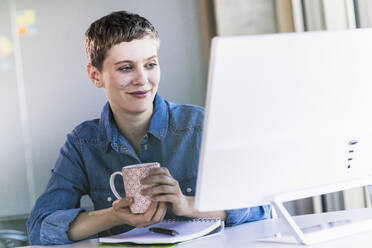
<point x="54" y="227"/>
<point x="239" y="216"/>
<point x="59" y="205"/>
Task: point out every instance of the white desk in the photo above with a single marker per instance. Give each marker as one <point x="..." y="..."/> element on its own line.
<point x="246" y="235"/>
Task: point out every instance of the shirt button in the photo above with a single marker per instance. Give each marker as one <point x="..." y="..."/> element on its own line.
<point x="188" y="190"/>
<point x="109" y="199"/>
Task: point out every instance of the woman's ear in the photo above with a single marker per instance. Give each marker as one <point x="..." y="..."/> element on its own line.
<point x="94" y="75"/>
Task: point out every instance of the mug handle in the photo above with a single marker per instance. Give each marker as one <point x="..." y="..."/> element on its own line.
<point x="112" y="183"/>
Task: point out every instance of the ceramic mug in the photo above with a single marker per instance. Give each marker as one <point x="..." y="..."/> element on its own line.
<point x="132" y="175"/>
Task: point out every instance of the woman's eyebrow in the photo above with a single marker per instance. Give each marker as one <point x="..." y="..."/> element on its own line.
<point x="123" y="61"/>
<point x="152" y="57"/>
<point x="130" y="61"/>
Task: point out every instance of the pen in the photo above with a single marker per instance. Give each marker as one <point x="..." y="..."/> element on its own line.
<point x="163" y="231"/>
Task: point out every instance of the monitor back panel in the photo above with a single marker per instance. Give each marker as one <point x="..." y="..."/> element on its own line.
<point x="285" y="112"/>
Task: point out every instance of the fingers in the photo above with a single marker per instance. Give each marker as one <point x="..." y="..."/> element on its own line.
<point x="159" y="179"/>
<point x="166" y="198"/>
<point x="163" y="206"/>
<point x="122" y="203"/>
<point x="159" y="171"/>
<point x="153" y="214"/>
<point x="159" y="214"/>
<point x="150" y="212"/>
<point x="145" y="219"/>
<point x="160" y="189"/>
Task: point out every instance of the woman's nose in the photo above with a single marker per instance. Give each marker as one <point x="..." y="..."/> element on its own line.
<point x="141" y="77"/>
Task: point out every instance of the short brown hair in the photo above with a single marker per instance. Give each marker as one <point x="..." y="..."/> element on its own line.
<point x="112" y="29"/>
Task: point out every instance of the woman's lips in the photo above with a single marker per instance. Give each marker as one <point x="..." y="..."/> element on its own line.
<point x="139" y="94"/>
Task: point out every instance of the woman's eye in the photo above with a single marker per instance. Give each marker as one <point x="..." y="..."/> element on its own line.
<point x="125" y="68"/>
<point x="151" y="65"/>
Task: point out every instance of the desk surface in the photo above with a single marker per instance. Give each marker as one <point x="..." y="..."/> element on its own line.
<point x="246" y="235"/>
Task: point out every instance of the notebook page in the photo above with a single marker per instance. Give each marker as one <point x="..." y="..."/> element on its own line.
<point x="187" y="230"/>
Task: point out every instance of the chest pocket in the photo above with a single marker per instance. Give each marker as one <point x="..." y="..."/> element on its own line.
<point x="188" y="186"/>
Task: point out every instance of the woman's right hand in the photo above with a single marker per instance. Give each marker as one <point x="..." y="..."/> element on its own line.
<point x="122" y="214"/>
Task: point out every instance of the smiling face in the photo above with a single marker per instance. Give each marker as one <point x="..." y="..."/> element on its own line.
<point x="130" y="75"/>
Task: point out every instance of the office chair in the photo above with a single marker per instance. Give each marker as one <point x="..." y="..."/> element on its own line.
<point x="12" y="238"/>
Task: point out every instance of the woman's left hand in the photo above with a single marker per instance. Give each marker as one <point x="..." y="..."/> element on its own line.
<point x="164" y="188"/>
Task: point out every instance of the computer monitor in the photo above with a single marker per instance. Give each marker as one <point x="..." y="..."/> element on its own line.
<point x="287" y="116"/>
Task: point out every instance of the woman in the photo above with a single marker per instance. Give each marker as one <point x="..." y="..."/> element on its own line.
<point x="136" y="126"/>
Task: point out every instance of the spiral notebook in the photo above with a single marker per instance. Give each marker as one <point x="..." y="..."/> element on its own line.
<point x="187" y="230"/>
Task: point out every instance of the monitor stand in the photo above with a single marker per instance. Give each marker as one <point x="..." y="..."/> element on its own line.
<point x="324" y="234"/>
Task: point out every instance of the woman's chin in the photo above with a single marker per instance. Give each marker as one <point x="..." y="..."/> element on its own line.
<point x="140" y="110"/>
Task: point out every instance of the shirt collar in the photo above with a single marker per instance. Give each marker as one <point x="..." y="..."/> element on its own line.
<point x="158" y="124"/>
<point x="160" y="118"/>
<point x="108" y="129"/>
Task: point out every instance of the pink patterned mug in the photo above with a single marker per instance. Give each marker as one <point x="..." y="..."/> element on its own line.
<point x="132" y="175"/>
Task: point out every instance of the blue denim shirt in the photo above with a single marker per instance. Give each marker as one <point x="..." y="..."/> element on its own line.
<point x="95" y="149"/>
